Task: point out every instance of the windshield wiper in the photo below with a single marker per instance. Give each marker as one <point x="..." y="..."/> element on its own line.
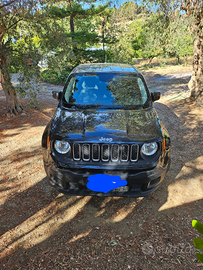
<point x="80" y="106"/>
<point x="90" y="106"/>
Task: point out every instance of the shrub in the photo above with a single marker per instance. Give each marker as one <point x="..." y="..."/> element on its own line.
<point x="198" y="242"/>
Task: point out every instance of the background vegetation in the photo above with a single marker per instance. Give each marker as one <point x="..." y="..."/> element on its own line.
<point x="46" y="39"/>
<point x="127" y="33"/>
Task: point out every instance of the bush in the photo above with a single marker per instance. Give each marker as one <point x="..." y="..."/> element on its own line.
<point x="48" y="76"/>
<point x="51" y="76"/>
<point x="198" y="242"/>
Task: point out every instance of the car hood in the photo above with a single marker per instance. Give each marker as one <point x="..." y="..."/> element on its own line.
<point x="106" y="125"/>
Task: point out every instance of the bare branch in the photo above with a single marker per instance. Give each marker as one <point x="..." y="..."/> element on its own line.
<point x="7" y="4"/>
<point x="167" y="10"/>
<point x="14" y="24"/>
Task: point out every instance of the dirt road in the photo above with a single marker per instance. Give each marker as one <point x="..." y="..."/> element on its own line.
<point x="42" y="229"/>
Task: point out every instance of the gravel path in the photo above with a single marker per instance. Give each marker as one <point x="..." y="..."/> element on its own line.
<point x="42" y="229"/>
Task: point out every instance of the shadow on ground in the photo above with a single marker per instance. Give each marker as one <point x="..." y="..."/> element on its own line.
<point x="42" y="229"/>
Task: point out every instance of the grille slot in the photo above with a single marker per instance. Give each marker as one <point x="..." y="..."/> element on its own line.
<point x="124" y="152"/>
<point x="105" y="152"/>
<point x="95" y="152"/>
<point x="134" y="152"/>
<point x="115" y="152"/>
<point x="86" y="152"/>
<point x="76" y="151"/>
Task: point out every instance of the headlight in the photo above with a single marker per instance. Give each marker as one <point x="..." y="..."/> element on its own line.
<point x="62" y="147"/>
<point x="149" y="149"/>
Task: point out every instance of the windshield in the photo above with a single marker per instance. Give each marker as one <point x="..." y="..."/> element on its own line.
<point x="106" y="90"/>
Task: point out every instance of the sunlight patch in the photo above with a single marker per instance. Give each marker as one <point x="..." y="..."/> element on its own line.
<point x="124" y="211"/>
<point x="188" y="185"/>
<point x="183" y="192"/>
<point x="75" y="238"/>
<point x="42" y="225"/>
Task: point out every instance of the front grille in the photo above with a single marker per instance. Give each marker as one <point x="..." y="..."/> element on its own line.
<point x="105" y="152"/>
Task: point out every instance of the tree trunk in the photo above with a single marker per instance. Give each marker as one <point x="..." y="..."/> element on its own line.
<point x="102" y="31"/>
<point x="178" y="57"/>
<point x="185" y="60"/>
<point x="196" y="83"/>
<point x="72" y="27"/>
<point x="12" y="104"/>
<point x="194" y="10"/>
<point x="150" y="61"/>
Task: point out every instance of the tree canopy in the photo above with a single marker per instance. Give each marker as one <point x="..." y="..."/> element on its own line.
<point x="193" y="9"/>
<point x="63" y="34"/>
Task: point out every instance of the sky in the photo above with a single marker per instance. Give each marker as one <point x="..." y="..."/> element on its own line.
<point x="118" y="2"/>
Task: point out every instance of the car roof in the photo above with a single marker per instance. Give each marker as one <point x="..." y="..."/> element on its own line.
<point x="105" y="68"/>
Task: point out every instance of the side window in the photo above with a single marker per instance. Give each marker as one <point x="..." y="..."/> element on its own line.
<point x="142" y="89"/>
<point x="70" y="89"/>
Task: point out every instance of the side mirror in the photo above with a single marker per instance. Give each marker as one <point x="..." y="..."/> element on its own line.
<point x="155" y="96"/>
<point x="56" y="95"/>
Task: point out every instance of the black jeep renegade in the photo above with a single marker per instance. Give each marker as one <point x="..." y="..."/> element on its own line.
<point x="105" y="138"/>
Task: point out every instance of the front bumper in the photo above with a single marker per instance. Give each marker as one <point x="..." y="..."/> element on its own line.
<point x="73" y="182"/>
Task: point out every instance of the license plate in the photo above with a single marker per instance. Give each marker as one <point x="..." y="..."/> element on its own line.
<point x="121" y="189"/>
<point x="106" y="183"/>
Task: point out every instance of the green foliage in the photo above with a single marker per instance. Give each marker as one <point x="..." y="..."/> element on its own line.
<point x="198" y="242"/>
<point x="51" y="76"/>
<point x="128" y="11"/>
<point x="25" y="62"/>
<point x="163" y="35"/>
<point x="125" y="25"/>
<point x="181" y="41"/>
<point x="198" y="226"/>
<point x="20" y="48"/>
<point x="122" y="50"/>
<point x="59" y="32"/>
<point x="82" y="28"/>
<point x="139" y="41"/>
<point x="74" y="9"/>
<point x="153" y="38"/>
<point x="149" y="35"/>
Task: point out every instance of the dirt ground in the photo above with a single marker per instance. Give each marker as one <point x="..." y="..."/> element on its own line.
<point x="43" y="229"/>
